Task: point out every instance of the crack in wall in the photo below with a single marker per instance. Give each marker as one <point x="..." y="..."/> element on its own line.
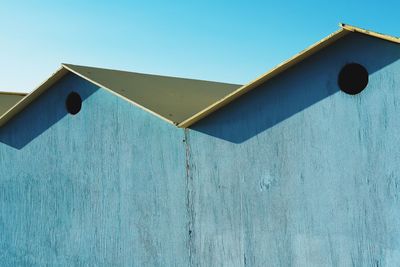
<point x="189" y="199"/>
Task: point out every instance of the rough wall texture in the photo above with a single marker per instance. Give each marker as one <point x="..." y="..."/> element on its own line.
<point x="295" y="173"/>
<point x="105" y="187"/>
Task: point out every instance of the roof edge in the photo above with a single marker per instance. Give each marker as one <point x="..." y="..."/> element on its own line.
<point x="266" y="76"/>
<point x="344" y="30"/>
<point x="30" y="97"/>
<point x="13" y="93"/>
<point x="54" y="78"/>
<point x="386" y="37"/>
<point x="66" y="66"/>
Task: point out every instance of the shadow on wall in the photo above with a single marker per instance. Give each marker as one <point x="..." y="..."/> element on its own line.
<point x="297" y="88"/>
<point x="44" y="112"/>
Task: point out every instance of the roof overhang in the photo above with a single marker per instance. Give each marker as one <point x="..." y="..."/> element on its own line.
<point x="171" y="99"/>
<point x="20" y="105"/>
<point x="8" y="99"/>
<point x="235" y="91"/>
<point x="344" y="30"/>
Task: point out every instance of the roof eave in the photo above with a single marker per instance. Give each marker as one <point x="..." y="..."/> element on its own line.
<point x="13" y="93"/>
<point x="370" y="33"/>
<point x="66" y="66"/>
<point x="263" y="78"/>
<point x="344" y="30"/>
<point x="29" y="98"/>
<point x="61" y="72"/>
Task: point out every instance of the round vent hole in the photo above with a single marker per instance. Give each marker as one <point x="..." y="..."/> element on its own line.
<point x="353" y="78"/>
<point x="73" y="103"/>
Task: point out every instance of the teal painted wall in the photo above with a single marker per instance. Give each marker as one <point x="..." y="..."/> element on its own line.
<point x="105" y="187"/>
<point x="294" y="173"/>
<point x="298" y="173"/>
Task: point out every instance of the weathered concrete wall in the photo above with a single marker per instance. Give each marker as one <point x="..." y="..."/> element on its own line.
<point x="297" y="173"/>
<point x="105" y="187"/>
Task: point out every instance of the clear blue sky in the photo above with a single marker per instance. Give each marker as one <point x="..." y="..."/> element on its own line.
<point x="230" y="41"/>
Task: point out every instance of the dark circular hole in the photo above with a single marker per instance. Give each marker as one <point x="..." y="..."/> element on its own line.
<point x="353" y="78"/>
<point x="73" y="103"/>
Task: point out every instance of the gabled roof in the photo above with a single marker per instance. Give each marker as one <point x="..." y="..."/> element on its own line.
<point x="9" y="99"/>
<point x="344" y="30"/>
<point x="179" y="101"/>
<point x="170" y="98"/>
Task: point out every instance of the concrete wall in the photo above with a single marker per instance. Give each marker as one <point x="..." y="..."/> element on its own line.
<point x="294" y="173"/>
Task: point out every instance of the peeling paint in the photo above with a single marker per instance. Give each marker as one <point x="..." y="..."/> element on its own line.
<point x="266" y="181"/>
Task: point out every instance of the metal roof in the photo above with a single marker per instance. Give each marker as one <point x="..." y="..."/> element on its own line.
<point x="9" y="99"/>
<point x="344" y="30"/>
<point x="170" y="98"/>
